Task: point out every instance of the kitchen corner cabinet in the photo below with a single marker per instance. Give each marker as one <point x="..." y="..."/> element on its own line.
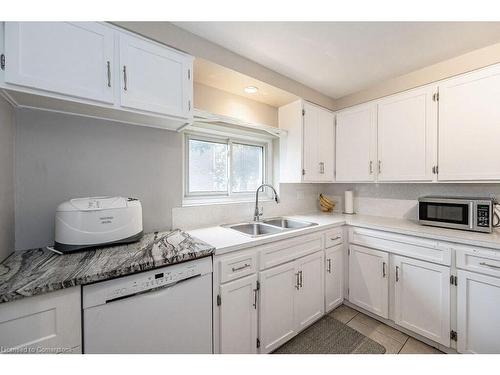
<point x="469" y="126"/>
<point x="49" y="323"/>
<point x="307" y="151"/>
<point x="334" y="277"/>
<point x="407" y="135"/>
<point x="291" y="299"/>
<point x="238" y="316"/>
<point x="369" y="279"/>
<point x="422" y="298"/>
<point x="478" y="325"/>
<point x="356" y="144"/>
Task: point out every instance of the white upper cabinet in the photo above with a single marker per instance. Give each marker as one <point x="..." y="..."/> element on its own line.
<point x="154" y="78"/>
<point x="307" y="151"/>
<point x="407" y="136"/>
<point x="356" y="144"/>
<point x="68" y="58"/>
<point x="469" y="126"/>
<point x="422" y="298"/>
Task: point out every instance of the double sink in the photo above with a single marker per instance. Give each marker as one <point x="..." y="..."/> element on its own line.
<point x="267" y="227"/>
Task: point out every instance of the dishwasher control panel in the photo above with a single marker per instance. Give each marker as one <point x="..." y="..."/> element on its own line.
<point x="111" y="290"/>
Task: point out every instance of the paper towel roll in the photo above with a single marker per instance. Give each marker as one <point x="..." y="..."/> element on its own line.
<point x="348" y="202"/>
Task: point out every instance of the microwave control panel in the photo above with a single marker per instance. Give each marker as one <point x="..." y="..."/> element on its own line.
<point x="483" y="215"/>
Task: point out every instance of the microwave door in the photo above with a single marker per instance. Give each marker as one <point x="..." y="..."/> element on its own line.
<point x="452" y="215"/>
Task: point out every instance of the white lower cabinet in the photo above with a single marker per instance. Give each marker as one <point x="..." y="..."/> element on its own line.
<point x="238" y="316"/>
<point x="422" y="298"/>
<point x="478" y="325"/>
<point x="49" y="323"/>
<point x="291" y="299"/>
<point x="334" y="277"/>
<point x="368" y="279"/>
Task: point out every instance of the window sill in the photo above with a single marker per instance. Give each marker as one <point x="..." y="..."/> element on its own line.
<point x="193" y="202"/>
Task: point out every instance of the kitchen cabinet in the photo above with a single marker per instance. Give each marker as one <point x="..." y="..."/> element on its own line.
<point x="291" y="299"/>
<point x="307" y="150"/>
<point x="334" y="277"/>
<point x="469" y="118"/>
<point x="154" y="78"/>
<point x="69" y="58"/>
<point x="478" y="303"/>
<point x="422" y="298"/>
<point x="407" y="135"/>
<point x="356" y="144"/>
<point x="48" y="323"/>
<point x="238" y="316"/>
<point x="368" y="279"/>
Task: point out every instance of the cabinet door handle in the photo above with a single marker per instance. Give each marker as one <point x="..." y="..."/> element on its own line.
<point x="246" y="265"/>
<point x="489" y="265"/>
<point x="397" y="273"/>
<point x="108" y="66"/>
<point x="255" y="298"/>
<point x="379" y="166"/>
<point x="322" y="168"/>
<point x="300" y="278"/>
<point x="383" y="270"/>
<point x="124" y="77"/>
<point x="297" y="282"/>
<point x="371" y="167"/>
<point x="329" y="269"/>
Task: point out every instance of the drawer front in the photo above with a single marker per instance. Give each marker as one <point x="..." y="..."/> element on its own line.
<point x="232" y="268"/>
<point x="287" y="250"/>
<point x="413" y="247"/>
<point x="334" y="237"/>
<point x="481" y="260"/>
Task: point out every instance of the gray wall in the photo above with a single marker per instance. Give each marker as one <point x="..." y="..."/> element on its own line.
<point x="58" y="157"/>
<point x="6" y="179"/>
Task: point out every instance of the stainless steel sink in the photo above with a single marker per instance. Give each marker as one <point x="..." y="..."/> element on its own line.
<point x="269" y="226"/>
<point x="255" y="229"/>
<point x="283" y="222"/>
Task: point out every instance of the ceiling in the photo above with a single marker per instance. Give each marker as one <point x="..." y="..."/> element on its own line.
<point x="339" y="58"/>
<point x="222" y="78"/>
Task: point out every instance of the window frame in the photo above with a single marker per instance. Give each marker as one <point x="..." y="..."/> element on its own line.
<point x="200" y="198"/>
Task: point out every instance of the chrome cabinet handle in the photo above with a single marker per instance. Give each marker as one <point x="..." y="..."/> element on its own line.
<point x="397" y="273"/>
<point x="108" y="65"/>
<point x="255" y="298"/>
<point x="379" y="166"/>
<point x="329" y="269"/>
<point x="322" y="168"/>
<point x="371" y="167"/>
<point x="489" y="265"/>
<point x="383" y="269"/>
<point x="246" y="265"/>
<point x="300" y="274"/>
<point x="125" y="77"/>
<point x="335" y="238"/>
<point x="297" y="282"/>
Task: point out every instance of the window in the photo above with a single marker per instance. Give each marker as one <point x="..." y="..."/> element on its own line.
<point x="223" y="168"/>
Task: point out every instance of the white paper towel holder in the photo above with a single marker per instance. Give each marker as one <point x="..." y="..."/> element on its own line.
<point x="348" y="213"/>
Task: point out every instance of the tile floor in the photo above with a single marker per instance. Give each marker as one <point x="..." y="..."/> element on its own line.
<point x="394" y="341"/>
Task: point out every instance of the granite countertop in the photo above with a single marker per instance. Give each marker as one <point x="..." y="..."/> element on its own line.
<point x="38" y="271"/>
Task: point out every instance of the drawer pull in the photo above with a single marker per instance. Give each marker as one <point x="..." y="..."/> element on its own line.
<point x="335" y="238"/>
<point x="246" y="265"/>
<point x="489" y="265"/>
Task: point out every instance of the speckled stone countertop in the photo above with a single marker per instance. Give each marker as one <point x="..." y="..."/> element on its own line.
<point x="37" y="271"/>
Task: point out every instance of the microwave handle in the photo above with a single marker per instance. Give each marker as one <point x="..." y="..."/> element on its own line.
<point x="471" y="215"/>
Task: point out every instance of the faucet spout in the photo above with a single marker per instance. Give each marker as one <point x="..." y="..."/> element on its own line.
<point x="257" y="214"/>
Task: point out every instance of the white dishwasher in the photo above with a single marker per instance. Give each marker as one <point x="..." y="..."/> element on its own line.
<point x="166" y="310"/>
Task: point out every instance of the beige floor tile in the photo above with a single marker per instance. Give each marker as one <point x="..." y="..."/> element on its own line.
<point x="382" y="328"/>
<point x="344" y="313"/>
<point x="391" y="345"/>
<point x="414" y="346"/>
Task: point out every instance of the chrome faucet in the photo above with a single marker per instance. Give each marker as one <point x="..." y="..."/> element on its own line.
<point x="257" y="214"/>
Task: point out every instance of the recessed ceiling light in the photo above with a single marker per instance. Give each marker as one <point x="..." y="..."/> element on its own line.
<point x="251" y="89"/>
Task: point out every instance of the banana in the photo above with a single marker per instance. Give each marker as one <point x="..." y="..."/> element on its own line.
<point x="326" y="203"/>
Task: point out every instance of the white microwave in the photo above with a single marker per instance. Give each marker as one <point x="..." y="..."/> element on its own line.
<point x="473" y="214"/>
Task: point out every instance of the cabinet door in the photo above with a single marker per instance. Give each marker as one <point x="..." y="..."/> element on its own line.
<point x="422" y="298"/>
<point x="356" y="144"/>
<point x="334" y="277"/>
<point x="469" y="126"/>
<point x="478" y="303"/>
<point x="318" y="146"/>
<point x="70" y="58"/>
<point x="309" y="303"/>
<point x="368" y="279"/>
<point x="238" y="316"/>
<point x="277" y="306"/>
<point x="154" y="78"/>
<point x="407" y="136"/>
